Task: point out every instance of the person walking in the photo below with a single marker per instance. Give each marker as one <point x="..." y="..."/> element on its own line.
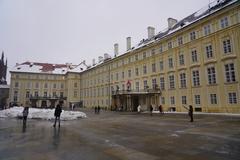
<point x="57" y="114"/>
<point x="151" y="110"/>
<point x="139" y="108"/>
<point x="25" y="114"/>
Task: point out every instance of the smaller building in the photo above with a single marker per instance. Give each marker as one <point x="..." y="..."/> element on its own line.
<point x="44" y="84"/>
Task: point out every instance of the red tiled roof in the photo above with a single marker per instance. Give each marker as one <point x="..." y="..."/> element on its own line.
<point x="46" y="67"/>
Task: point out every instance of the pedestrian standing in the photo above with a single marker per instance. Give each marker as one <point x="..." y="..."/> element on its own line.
<point x="160" y="109"/>
<point x="95" y="109"/>
<point x="151" y="110"/>
<point x="139" y="108"/>
<point x="98" y="109"/>
<point x="72" y="106"/>
<point x="57" y="114"/>
<point x="25" y="114"/>
<point x="190" y="113"/>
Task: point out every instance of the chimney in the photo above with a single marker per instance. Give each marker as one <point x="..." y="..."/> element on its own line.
<point x="105" y="56"/>
<point x="93" y="62"/>
<point x="128" y="43"/>
<point x="171" y="22"/>
<point x="115" y="49"/>
<point x="100" y="59"/>
<point x="151" y="32"/>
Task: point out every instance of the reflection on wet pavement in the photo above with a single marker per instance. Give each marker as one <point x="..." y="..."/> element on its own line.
<point x="116" y="136"/>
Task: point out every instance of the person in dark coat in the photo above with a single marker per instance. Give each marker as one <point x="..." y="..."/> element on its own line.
<point x="151" y="110"/>
<point x="95" y="109"/>
<point x="57" y="114"/>
<point x="25" y="114"/>
<point x="190" y="113"/>
<point x="160" y="109"/>
<point x="98" y="109"/>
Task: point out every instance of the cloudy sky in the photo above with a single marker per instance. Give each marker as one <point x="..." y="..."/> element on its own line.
<point x="60" y="31"/>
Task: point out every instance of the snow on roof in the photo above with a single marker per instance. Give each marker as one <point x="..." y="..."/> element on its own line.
<point x="203" y="12"/>
<point x="36" y="67"/>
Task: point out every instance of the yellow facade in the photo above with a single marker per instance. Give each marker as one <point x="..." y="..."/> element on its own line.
<point x="198" y="64"/>
<point x="43" y="89"/>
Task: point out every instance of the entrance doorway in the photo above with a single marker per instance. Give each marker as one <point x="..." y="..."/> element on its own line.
<point x="44" y="104"/>
<point x="135" y="103"/>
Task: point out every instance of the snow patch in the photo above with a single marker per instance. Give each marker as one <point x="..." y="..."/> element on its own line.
<point x="46" y="114"/>
<point x="174" y="135"/>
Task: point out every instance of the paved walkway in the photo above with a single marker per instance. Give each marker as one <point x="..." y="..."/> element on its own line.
<point x="123" y="136"/>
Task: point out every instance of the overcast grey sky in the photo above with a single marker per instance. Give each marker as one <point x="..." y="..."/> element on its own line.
<point x="60" y="31"/>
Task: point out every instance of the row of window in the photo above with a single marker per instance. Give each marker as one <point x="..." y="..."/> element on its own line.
<point x="213" y="99"/>
<point x="45" y="85"/>
<point x="45" y="77"/>
<point x="95" y="92"/>
<point x="230" y="77"/>
<point x="194" y="58"/>
<point x="226" y="47"/>
<point x="36" y="94"/>
<point x="207" y="29"/>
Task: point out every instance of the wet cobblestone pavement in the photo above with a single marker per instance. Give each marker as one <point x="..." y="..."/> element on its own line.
<point x="123" y="136"/>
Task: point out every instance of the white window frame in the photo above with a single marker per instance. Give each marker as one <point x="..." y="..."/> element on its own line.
<point x="196" y="78"/>
<point x="172" y="100"/>
<point x="194" y="56"/>
<point x="192" y="35"/>
<point x="211" y="74"/>
<point x="171" y="79"/>
<point x="170" y="62"/>
<point x="230" y="75"/>
<point x="184" y="100"/>
<point x="162" y="83"/>
<point x="161" y="65"/>
<point x="145" y="69"/>
<point x="227" y="46"/>
<point x="207" y="29"/>
<point x="181" y="59"/>
<point x="224" y="22"/>
<point x="170" y="45"/>
<point x="183" y="82"/>
<point x="137" y="86"/>
<point x="136" y="71"/>
<point x="197" y="100"/>
<point x="209" y="51"/>
<point x="154" y="83"/>
<point x="145" y="84"/>
<point x="154" y="67"/>
<point x="180" y="40"/>
<point x="232" y="98"/>
<point x="213" y="98"/>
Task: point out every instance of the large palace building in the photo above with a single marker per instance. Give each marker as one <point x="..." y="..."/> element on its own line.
<point x="194" y="61"/>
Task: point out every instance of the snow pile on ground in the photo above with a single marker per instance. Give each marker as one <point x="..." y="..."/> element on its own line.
<point x="46" y="114"/>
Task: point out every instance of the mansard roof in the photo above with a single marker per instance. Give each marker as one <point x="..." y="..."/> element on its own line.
<point x="200" y="14"/>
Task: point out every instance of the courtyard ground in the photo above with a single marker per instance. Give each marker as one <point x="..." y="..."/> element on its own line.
<point x="123" y="136"/>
